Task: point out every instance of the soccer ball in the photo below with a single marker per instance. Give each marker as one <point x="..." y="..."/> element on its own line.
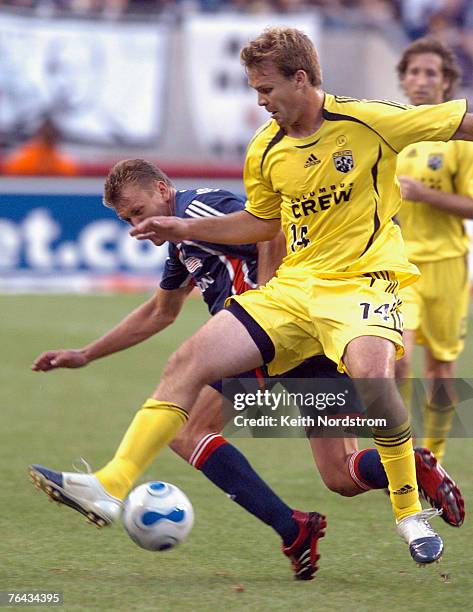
<point x="157" y="516"/>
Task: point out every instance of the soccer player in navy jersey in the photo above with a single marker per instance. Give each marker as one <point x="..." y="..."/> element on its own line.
<point x="136" y="189"/>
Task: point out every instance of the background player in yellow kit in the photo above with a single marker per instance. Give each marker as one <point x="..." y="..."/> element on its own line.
<point x="437" y="187"/>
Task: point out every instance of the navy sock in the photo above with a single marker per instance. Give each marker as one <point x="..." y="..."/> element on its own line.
<point x="369" y="469"/>
<point x="229" y="469"/>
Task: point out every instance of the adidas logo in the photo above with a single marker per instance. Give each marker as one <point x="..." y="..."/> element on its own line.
<point x="403" y="490"/>
<point x="311" y="161"/>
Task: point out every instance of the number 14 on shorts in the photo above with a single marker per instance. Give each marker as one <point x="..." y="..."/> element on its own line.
<point x="387" y="312"/>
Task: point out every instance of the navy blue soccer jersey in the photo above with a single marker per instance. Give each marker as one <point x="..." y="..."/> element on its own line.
<point x="218" y="270"/>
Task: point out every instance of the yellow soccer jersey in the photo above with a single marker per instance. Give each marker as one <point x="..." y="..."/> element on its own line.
<point x="431" y="234"/>
<point x="336" y="191"/>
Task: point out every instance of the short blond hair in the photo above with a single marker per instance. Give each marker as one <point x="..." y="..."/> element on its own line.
<point x="137" y="172"/>
<point x="288" y="49"/>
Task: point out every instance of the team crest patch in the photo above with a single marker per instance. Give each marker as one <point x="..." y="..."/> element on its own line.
<point x="343" y="161"/>
<point x="435" y="161"/>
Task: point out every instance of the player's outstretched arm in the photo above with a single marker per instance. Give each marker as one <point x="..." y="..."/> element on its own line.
<point x="465" y="131"/>
<point x="147" y="320"/>
<point x="235" y="228"/>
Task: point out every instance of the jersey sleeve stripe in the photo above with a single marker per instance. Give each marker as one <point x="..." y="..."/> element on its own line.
<point x="343" y="99"/>
<point x="389" y="103"/>
<point x="198" y="206"/>
<point x="197" y="215"/>
<point x="376" y="221"/>
<point x="262" y="129"/>
<point x="193" y="211"/>
<point x="200" y="246"/>
<point x="339" y="117"/>
<point x="274" y="141"/>
<point x="374" y="171"/>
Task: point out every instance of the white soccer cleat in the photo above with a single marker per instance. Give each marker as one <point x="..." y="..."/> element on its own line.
<point x="425" y="545"/>
<point x="82" y="492"/>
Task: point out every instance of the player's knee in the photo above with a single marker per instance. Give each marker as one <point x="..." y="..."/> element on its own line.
<point x="372" y="369"/>
<point x="182" y="365"/>
<point x="176" y="364"/>
<point x="441" y="370"/>
<point x="403" y="368"/>
<point x="337" y="483"/>
<point x="341" y="486"/>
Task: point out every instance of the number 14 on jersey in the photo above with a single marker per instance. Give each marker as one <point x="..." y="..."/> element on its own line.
<point x="299" y="238"/>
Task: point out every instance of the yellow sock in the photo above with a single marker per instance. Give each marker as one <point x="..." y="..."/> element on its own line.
<point x="405" y="386"/>
<point x="154" y="426"/>
<point x="397" y="456"/>
<point x="437" y="424"/>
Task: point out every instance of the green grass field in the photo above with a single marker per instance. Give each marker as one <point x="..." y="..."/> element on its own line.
<point x="230" y="561"/>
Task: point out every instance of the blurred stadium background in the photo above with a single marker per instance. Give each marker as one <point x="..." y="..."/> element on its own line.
<point x="161" y="80"/>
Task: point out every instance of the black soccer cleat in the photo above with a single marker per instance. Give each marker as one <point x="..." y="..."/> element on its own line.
<point x="303" y="551"/>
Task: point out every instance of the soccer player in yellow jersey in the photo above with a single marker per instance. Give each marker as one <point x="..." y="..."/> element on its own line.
<point x="437" y="187"/>
<point x="323" y="168"/>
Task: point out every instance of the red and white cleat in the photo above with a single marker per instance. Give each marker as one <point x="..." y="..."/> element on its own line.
<point x="303" y="551"/>
<point x="436" y="487"/>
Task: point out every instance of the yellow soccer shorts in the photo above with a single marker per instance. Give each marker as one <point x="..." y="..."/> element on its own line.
<point x="436" y="306"/>
<point x="304" y="316"/>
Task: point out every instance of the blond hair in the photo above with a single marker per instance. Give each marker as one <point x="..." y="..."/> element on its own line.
<point x="288" y="49"/>
<point x="137" y="172"/>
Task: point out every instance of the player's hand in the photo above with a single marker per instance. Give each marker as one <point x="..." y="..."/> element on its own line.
<point x="63" y="358"/>
<point x="411" y="189"/>
<point x="160" y="229"/>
